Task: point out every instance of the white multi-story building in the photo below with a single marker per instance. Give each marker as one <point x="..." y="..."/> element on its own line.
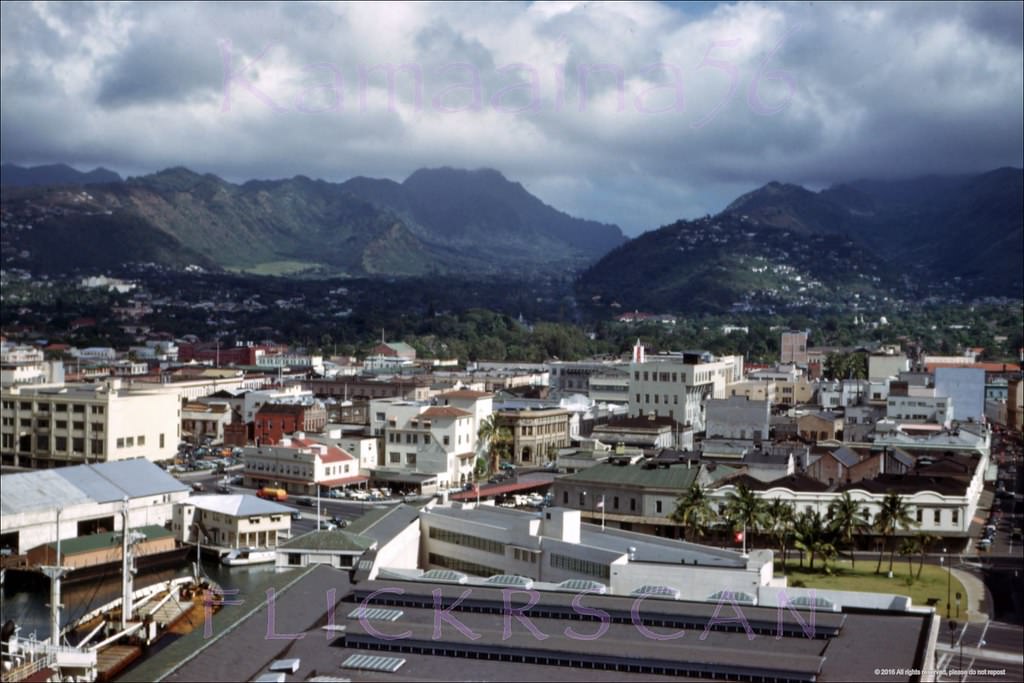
<point x="677" y="385"/>
<point x="27" y="365"/>
<point x="71" y="424"/>
<point x="920" y="409"/>
<point x="300" y="465"/>
<point x="427" y="439"/>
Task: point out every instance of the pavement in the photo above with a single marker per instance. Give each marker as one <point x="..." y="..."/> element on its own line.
<point x="975" y="602"/>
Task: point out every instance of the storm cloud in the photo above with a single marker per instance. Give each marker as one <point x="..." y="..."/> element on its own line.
<point x="631" y="113"/>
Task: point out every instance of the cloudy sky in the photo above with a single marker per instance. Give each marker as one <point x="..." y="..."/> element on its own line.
<point x="631" y="113"/>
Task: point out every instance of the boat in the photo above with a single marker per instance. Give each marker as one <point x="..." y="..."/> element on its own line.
<point x="103" y="642"/>
<point x="246" y="556"/>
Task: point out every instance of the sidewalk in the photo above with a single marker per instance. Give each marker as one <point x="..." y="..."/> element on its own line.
<point x="975" y="598"/>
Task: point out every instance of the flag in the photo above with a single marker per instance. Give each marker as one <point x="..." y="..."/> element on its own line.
<point x="600" y="503"/>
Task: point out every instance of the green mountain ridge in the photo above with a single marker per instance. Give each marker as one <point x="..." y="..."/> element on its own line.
<point x="459" y="222"/>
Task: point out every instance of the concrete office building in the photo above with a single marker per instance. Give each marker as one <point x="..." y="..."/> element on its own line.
<point x="54" y="426"/>
<point x="677" y="385"/>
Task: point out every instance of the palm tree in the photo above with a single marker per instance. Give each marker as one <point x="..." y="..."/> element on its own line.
<point x="812" y="534"/>
<point x="848" y="518"/>
<point x="908" y="548"/>
<point x="693" y="511"/>
<point x="745" y="510"/>
<point x="494" y="437"/>
<point x="893" y="516"/>
<point x="924" y="541"/>
<point x="782" y="515"/>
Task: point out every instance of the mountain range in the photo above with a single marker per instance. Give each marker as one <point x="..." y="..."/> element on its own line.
<point x="781" y="244"/>
<point x="437" y="221"/>
<point x="53" y="174"/>
<point x="962" y="234"/>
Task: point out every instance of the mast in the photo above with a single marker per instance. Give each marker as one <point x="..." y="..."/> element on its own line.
<point x="127" y="567"/>
<point x="55" y="572"/>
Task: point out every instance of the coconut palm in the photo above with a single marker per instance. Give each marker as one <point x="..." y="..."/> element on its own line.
<point x="693" y="511"/>
<point x="494" y="437"/>
<point x="924" y="542"/>
<point x="782" y="516"/>
<point x="811" y="534"/>
<point x="848" y="518"/>
<point x="745" y="510"/>
<point x="894" y="515"/>
<point x="908" y="548"/>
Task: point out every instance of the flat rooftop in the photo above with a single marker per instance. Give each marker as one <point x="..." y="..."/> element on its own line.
<point x="553" y="641"/>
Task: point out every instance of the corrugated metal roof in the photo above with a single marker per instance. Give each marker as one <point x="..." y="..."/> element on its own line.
<point x="242" y="505"/>
<point x="138" y="477"/>
<point x="328" y="540"/>
<point x="100" y="483"/>
<point x="73" y="546"/>
<point x="28" y="491"/>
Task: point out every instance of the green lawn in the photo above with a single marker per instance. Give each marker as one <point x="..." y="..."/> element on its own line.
<point x="932" y="583"/>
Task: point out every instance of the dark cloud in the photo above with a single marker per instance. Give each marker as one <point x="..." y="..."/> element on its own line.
<point x="809" y="93"/>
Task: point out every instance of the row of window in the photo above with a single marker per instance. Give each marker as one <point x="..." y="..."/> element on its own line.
<point x="574" y="564"/>
<point x="657" y="399"/>
<point x="462" y="565"/>
<point x="455" y="538"/>
<point x="395" y="458"/>
<point x="131" y="441"/>
<point x="523" y="555"/>
<point x="54" y="407"/>
<point x="937" y="517"/>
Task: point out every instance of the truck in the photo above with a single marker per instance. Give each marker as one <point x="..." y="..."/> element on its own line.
<point x="270" y="493"/>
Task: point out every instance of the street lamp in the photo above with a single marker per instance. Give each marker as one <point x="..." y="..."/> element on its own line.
<point x="949" y="581"/>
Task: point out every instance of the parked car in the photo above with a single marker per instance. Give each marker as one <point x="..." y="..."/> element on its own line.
<point x="340" y="522"/>
<point x="985" y="544"/>
<point x="198" y="486"/>
<point x="306" y="500"/>
<point x="296" y="515"/>
<point x="223" y="488"/>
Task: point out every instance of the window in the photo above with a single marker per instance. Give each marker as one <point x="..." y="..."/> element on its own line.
<point x="565" y="497"/>
<point x="97" y="426"/>
<point x="632" y="504"/>
<point x="61" y="443"/>
<point x="920" y="515"/>
<point x="161" y="441"/>
<point x="395" y="458"/>
<point x="582" y="499"/>
<point x="615" y="502"/>
<point x="657" y="506"/>
<point x="447" y="440"/>
<point x="410" y="459"/>
<point x="120" y="443"/>
<point x="78" y="445"/>
<point x="142" y="440"/>
<point x="937" y="517"/>
<point x="956" y="516"/>
<point x="78" y="408"/>
<point x="579" y="566"/>
<point x="129" y="441"/>
<point x="478" y="542"/>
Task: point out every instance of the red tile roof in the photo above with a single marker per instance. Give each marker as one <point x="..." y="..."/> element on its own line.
<point x="445" y="411"/>
<point x="333" y="454"/>
<point x="987" y="367"/>
<point x="500" y="490"/>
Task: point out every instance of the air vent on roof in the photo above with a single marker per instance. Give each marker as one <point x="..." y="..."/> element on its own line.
<point x="376" y="613"/>
<point x="373" y="663"/>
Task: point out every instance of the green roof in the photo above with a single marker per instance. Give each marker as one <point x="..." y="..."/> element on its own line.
<point x="328" y="540"/>
<point x="673" y="477"/>
<point x="84" y="544"/>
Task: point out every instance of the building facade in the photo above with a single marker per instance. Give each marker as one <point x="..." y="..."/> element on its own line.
<point x="54" y="426"/>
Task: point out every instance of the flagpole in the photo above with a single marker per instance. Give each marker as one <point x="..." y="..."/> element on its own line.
<point x="602" y="513"/>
